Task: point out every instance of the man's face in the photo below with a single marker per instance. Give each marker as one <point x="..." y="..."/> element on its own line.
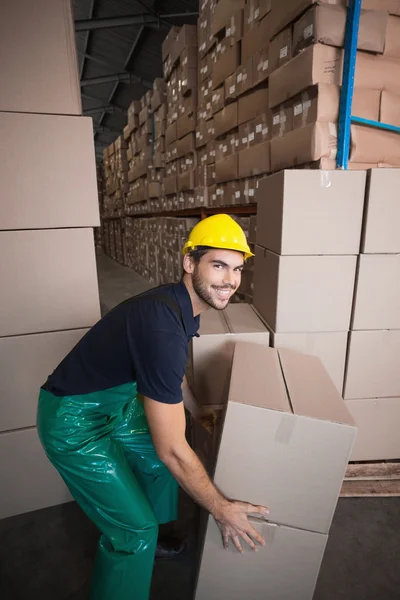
<point x="217" y="276"/>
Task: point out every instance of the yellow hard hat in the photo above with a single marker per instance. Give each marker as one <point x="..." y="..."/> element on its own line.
<point x="218" y="231"/>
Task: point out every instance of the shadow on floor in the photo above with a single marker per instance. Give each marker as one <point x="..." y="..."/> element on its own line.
<point x="48" y="555"/>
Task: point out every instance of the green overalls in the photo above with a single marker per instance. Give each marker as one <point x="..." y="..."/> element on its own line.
<point x="101" y="445"/>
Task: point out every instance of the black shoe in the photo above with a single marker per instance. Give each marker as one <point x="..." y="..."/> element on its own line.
<point x="169" y="547"/>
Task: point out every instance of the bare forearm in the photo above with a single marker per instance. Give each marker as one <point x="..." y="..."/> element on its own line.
<point x="193" y="478"/>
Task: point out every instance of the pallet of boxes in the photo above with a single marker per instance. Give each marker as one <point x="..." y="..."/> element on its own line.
<point x="179" y="54"/>
<point x="283" y="438"/>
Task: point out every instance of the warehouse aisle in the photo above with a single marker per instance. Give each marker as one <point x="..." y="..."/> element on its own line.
<point x="48" y="554"/>
<point x="117" y="283"/>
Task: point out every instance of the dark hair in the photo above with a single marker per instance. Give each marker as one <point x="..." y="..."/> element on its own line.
<point x="197" y="254"/>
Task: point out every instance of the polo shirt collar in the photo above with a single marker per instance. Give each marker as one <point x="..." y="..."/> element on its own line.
<point x="190" y="323"/>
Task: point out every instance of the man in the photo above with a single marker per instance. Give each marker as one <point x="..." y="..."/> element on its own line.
<point x="112" y="420"/>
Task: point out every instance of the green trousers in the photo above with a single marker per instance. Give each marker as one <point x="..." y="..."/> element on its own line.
<point x="101" y="445"/>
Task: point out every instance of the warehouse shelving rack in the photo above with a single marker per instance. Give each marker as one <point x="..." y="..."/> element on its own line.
<point x="346" y="98"/>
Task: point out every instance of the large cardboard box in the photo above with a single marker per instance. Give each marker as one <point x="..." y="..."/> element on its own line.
<point x="49" y="281"/>
<point x="255" y="160"/>
<point x="377" y="293"/>
<point x="304" y="293"/>
<point x="389" y="109"/>
<point x="226" y="119"/>
<point x="297" y="431"/>
<point x="391" y="6"/>
<point x="284" y="13"/>
<point x="38" y="64"/>
<point x="311" y="212"/>
<point x="39" y="485"/>
<point x="323" y="64"/>
<point x="304" y="145"/>
<point x="257" y="38"/>
<point x="377" y="420"/>
<point x="223" y="11"/>
<point x="286" y="567"/>
<point x="47" y="172"/>
<point x="25" y="363"/>
<point x="317" y="64"/>
<point x="252" y="104"/>
<point x="281" y="49"/>
<point x="226" y="63"/>
<point x="382" y="215"/>
<point x="329" y="347"/>
<point x="370" y="145"/>
<point x="212" y="352"/>
<point x="373" y="365"/>
<point x="321" y="103"/>
<point x="326" y="23"/>
<point x="392" y="42"/>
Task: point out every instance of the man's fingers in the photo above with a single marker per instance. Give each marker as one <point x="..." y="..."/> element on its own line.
<point x="226" y="541"/>
<point x="249" y="542"/>
<point x="237" y="544"/>
<point x="262" y="510"/>
<point x="255" y="535"/>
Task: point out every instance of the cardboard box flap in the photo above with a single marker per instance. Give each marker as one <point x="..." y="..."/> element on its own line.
<point x="212" y="322"/>
<point x="256" y="378"/>
<point x="241" y="318"/>
<point x="311" y="390"/>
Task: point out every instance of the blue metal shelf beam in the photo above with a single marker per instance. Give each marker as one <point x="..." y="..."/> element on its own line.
<point x="346" y="97"/>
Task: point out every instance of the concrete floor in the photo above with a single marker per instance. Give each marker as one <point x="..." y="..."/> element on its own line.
<point x="48" y="554"/>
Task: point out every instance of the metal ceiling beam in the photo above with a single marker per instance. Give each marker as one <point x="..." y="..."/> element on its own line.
<point x="117" y="77"/>
<point x="97" y="60"/>
<point x="85" y="46"/>
<point x="141" y="19"/>
<point x="110" y="108"/>
<point x="104" y="129"/>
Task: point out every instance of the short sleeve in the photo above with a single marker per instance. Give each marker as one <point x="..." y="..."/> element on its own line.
<point x="159" y="352"/>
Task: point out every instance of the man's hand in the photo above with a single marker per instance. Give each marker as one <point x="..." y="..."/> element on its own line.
<point x="232" y="520"/>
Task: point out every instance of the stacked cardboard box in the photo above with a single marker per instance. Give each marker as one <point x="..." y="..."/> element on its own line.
<point x="179" y="53"/>
<point x="305" y="73"/>
<point x="299" y="436"/>
<point x="308" y="238"/>
<point x="372" y="386"/>
<point x="47" y="213"/>
<point x="234" y="122"/>
<point x="116" y="177"/>
<point x="154" y="245"/>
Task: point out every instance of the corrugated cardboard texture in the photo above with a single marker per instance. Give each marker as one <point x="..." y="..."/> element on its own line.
<point x="49" y="281"/>
<point x="378" y="428"/>
<point x="330" y="348"/>
<point x="286" y="568"/>
<point x="310" y="212"/>
<point x="25" y="363"/>
<point x="377" y="295"/>
<point x="212" y="352"/>
<point x="304" y="293"/>
<point x="47" y="172"/>
<point x="299" y="459"/>
<point x="373" y="365"/>
<point x="38" y="64"/>
<point x="38" y="487"/>
<point x="382" y="217"/>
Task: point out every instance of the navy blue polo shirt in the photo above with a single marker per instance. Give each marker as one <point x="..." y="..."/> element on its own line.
<point x="143" y="339"/>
